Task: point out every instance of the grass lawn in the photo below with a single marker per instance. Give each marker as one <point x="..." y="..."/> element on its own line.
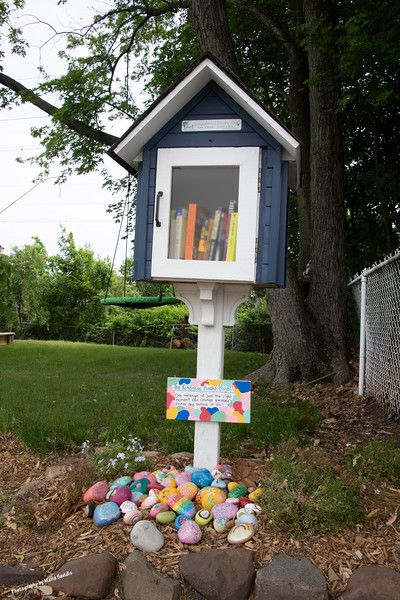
<point x="55" y="395"/>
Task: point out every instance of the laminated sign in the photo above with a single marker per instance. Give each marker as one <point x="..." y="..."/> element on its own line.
<point x="215" y="400"/>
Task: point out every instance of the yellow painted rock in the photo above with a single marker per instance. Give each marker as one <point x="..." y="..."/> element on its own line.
<point x="210" y="496"/>
<point x="232" y="485"/>
<point x="166" y="493"/>
<point x="256" y="495"/>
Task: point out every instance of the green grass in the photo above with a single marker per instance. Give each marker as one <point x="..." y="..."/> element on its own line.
<point x="376" y="461"/>
<point x="55" y="395"/>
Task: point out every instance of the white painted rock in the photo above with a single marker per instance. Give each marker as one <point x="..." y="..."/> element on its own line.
<point x="146" y="537"/>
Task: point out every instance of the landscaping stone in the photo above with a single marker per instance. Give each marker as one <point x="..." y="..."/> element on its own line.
<point x="91" y="576"/>
<point x="19" y="575"/>
<point x="146" y="537"/>
<point x="287" y="578"/>
<point x="182" y="455"/>
<point x="372" y="582"/>
<point x="30" y="486"/>
<point x="142" y="582"/>
<point x="219" y="574"/>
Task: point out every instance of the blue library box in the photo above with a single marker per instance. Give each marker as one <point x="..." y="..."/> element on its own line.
<point x="213" y="169"/>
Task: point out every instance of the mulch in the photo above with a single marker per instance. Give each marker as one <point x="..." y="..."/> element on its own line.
<point x="58" y="530"/>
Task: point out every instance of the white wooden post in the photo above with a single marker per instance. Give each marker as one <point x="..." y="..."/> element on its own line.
<point x="363" y="309"/>
<point x="212" y="306"/>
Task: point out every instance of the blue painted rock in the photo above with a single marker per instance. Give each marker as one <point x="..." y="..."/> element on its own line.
<point x="189" y="532"/>
<point x="146" y="537"/>
<point x="158" y="508"/>
<point x="126" y="480"/>
<point x="96" y="493"/>
<point x="166" y="517"/>
<point x="145" y="475"/>
<point x="182" y="477"/>
<point x="218" y="483"/>
<point x="202" y="477"/>
<point x="250" y="519"/>
<point x="105" y="514"/>
<point x="223" y="525"/>
<point x="120" y="494"/>
<point x="138" y="497"/>
<point x="140" y="485"/>
<point x="226" y="510"/>
<point x="127" y="506"/>
<point x="178" y="521"/>
<point x="132" y="517"/>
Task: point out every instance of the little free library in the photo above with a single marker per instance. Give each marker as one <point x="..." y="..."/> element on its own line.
<point x="213" y="168"/>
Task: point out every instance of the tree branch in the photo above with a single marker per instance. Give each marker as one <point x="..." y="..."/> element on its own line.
<point x="264" y="17"/>
<point x="76" y="125"/>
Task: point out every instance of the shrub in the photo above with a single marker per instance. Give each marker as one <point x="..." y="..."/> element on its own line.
<point x="305" y="496"/>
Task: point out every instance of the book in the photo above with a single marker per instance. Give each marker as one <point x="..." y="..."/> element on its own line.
<point x="231" y="210"/>
<point x="191" y="224"/>
<point x="214" y="234"/>
<point x="208" y="239"/>
<point x="231" y="247"/>
<point x="183" y="233"/>
<point x="172" y="235"/>
<point x="180" y="232"/>
<point x="202" y="241"/>
<point x="221" y="235"/>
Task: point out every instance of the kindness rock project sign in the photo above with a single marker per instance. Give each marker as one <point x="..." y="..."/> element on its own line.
<point x="214" y="400"/>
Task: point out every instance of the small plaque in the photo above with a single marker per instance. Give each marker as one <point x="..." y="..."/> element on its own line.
<point x="215" y="400"/>
<point x="212" y="125"/>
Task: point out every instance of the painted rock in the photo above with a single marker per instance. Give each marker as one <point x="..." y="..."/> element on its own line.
<point x="190" y="469"/>
<point x="226" y="471"/>
<point x="132" y="517"/>
<point x="105" y="514"/>
<point x="219" y="483"/>
<point x="146" y="537"/>
<point x="166" y="517"/>
<point x="202" y="477"/>
<point x="252" y="508"/>
<point x="188" y="489"/>
<point x="217" y="474"/>
<point x="158" y="508"/>
<point x="126" y="480"/>
<point x="96" y="493"/>
<point x="250" y="519"/>
<point x="178" y="521"/>
<point x="256" y="495"/>
<point x="210" y="496"/>
<point x="233" y="501"/>
<point x="140" y="485"/>
<point x="149" y="502"/>
<point x="243" y="502"/>
<point x="145" y="475"/>
<point x="120" y="494"/>
<point x="182" y="477"/>
<point x="182" y="506"/>
<point x="154" y="493"/>
<point x="223" y="525"/>
<point x="156" y="487"/>
<point x="189" y="533"/>
<point x="127" y="506"/>
<point x="203" y="517"/>
<point x="224" y="511"/>
<point x="138" y="497"/>
<point x="168" y="482"/>
<point x="171" y="472"/>
<point x="238" y="492"/>
<point x="232" y="485"/>
<point x="159" y="475"/>
<point x="239" y="534"/>
<point x="166" y="493"/>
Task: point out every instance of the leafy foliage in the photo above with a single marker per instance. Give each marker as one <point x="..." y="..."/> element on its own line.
<point x="376" y="461"/>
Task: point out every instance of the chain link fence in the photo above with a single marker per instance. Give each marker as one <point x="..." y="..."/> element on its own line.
<point x="376" y="293"/>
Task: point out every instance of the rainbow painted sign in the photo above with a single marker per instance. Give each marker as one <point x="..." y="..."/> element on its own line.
<point x="215" y="400"/>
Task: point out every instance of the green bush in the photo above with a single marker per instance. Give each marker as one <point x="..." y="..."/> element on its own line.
<point x="305" y="496"/>
<point x="376" y="461"/>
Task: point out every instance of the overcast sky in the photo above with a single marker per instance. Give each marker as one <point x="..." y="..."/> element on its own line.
<point x="80" y="204"/>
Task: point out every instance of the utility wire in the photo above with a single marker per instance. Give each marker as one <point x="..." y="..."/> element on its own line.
<point x="25" y="194"/>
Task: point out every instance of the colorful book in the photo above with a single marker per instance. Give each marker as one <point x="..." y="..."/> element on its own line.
<point x="231" y="210"/>
<point x="219" y="254"/>
<point x="202" y="241"/>
<point x="183" y="233"/>
<point x="191" y="224"/>
<point x="231" y="247"/>
<point x="214" y="234"/>
<point x="208" y="240"/>
<point x="172" y="235"/>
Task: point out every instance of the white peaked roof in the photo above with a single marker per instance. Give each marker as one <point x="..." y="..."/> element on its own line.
<point x="127" y="150"/>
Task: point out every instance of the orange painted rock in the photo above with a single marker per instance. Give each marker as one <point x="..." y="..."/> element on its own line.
<point x="188" y="489"/>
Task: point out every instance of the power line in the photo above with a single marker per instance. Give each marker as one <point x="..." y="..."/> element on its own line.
<point x="25" y="194"/>
<point x="27" y="118"/>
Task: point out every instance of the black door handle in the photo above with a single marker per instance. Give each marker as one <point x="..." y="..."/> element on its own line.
<point x="158" y="222"/>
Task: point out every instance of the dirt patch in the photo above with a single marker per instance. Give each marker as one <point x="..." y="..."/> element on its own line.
<point x="53" y="527"/>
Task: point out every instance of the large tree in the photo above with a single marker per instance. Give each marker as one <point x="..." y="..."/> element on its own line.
<point x="296" y="55"/>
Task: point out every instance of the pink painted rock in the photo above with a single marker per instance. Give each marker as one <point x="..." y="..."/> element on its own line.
<point x="157" y="508"/>
<point x="226" y="510"/>
<point x="155" y="486"/>
<point x="96" y="493"/>
<point x="182" y="477"/>
<point x="121" y="494"/>
<point x="189" y="532"/>
<point x="132" y="517"/>
<point x="149" y="502"/>
<point x="145" y="475"/>
<point x="188" y="489"/>
<point x="127" y="506"/>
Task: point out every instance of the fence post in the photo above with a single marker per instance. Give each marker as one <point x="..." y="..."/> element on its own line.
<point x="363" y="310"/>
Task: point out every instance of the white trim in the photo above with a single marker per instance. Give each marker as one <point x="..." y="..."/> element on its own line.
<point x="131" y="145"/>
<point x="243" y="269"/>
